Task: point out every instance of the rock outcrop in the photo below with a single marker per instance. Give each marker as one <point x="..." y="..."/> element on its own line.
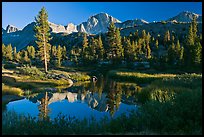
<point x="11" y="28"/>
<point x="131" y="23"/>
<point x="97" y="23"/>
<point x="62" y="29"/>
<point x="186" y="16"/>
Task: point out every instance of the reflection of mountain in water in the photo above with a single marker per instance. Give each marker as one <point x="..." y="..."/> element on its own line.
<point x="102" y="96"/>
<point x="92" y="99"/>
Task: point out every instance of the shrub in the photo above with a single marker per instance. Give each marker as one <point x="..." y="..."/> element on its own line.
<point x="80" y="77"/>
<point x="9" y="66"/>
<point x="33" y="72"/>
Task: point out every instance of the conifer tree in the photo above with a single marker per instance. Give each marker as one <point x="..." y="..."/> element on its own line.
<point x="64" y="53"/>
<point x="100" y="49"/>
<point x="198" y="53"/>
<point x="148" y="54"/>
<point x="91" y="51"/>
<point x="31" y="52"/>
<point x="18" y="57"/>
<point x="115" y="49"/>
<point x="157" y="44"/>
<point x="15" y="54"/>
<point x="3" y="51"/>
<point x="59" y="55"/>
<point x="171" y="54"/>
<point x="167" y="38"/>
<point x="190" y="37"/>
<point x="192" y="48"/>
<point x="42" y="30"/>
<point x="26" y="58"/>
<point x="120" y="50"/>
<point x="127" y="50"/>
<point x="111" y="41"/>
<point x="194" y="28"/>
<point x="136" y="35"/>
<point x="181" y="55"/>
<point x="53" y="52"/>
<point x="9" y="52"/>
<point x="143" y="34"/>
<point x="85" y="50"/>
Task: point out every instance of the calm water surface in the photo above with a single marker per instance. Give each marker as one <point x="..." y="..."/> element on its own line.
<point x="82" y="100"/>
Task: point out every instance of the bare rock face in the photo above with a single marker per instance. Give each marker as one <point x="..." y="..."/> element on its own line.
<point x="71" y="28"/>
<point x="62" y="29"/>
<point x="186" y="16"/>
<point x="56" y="28"/>
<point x="131" y="23"/>
<point x="81" y="28"/>
<point x="97" y="23"/>
<point x="11" y="28"/>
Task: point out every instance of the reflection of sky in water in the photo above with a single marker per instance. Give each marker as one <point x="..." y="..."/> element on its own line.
<point x="24" y="106"/>
<point x="77" y="109"/>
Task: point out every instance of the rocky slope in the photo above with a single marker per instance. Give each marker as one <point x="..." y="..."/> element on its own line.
<point x="62" y="29"/>
<point x="20" y="38"/>
<point x="11" y="28"/>
<point x="71" y="34"/>
<point x="131" y="23"/>
<point x="3" y="31"/>
<point x="186" y="16"/>
<point x="97" y="23"/>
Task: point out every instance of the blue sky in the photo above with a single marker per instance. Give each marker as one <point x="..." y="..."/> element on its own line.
<point x="20" y="14"/>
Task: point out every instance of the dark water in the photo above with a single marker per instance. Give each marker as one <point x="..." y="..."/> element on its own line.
<point x="82" y="100"/>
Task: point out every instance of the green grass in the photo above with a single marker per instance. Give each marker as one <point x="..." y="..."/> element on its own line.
<point x="76" y="76"/>
<point x="9" y="90"/>
<point x="27" y="84"/>
<point x="166" y="89"/>
<point x="32" y="78"/>
<point x="137" y="77"/>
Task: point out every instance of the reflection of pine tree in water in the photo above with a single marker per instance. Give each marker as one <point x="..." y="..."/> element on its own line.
<point x="114" y="97"/>
<point x="100" y="87"/>
<point x="43" y="108"/>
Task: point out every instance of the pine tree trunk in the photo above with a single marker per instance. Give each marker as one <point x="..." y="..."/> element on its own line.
<point x="45" y="54"/>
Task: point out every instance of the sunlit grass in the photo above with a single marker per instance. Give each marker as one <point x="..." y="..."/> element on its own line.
<point x="142" y="77"/>
<point x="137" y="76"/>
<point x="77" y="76"/>
<point x="166" y="89"/>
<point x="9" y="90"/>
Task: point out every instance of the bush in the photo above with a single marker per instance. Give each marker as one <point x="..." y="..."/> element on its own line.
<point x="165" y="89"/>
<point x="183" y="114"/>
<point x="9" y="66"/>
<point x="33" y="72"/>
<point x="80" y="77"/>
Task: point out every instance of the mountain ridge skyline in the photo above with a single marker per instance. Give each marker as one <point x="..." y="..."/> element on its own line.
<point x="141" y="19"/>
<point x="77" y="12"/>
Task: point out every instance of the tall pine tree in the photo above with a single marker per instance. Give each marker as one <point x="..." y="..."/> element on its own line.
<point x="42" y="30"/>
<point x="115" y="50"/>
